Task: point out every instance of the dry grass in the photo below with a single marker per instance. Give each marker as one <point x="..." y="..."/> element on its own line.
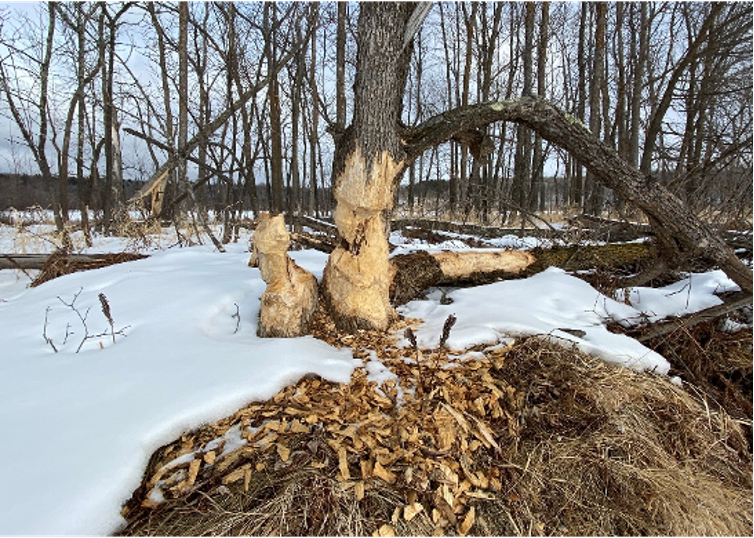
<point x="611" y="452"/>
<point x="298" y="501"/>
<point x="586" y="448"/>
<point x="717" y="363"/>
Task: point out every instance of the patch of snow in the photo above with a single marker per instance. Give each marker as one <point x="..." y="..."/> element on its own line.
<point x="694" y="293"/>
<point x="88" y="422"/>
<point x="561" y="307"/>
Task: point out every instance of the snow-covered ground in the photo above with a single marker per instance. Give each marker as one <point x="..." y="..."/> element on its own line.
<point x="79" y="427"/>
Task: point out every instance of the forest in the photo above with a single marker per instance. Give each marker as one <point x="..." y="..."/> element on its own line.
<point x="376" y="268"/>
<point x="236" y="95"/>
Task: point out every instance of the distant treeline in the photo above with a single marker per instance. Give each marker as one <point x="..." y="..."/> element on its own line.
<point x="23" y="190"/>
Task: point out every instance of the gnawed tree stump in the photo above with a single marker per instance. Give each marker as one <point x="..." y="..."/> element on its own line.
<point x="288" y="303"/>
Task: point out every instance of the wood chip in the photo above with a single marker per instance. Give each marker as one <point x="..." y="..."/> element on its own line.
<point x="298" y="427"/>
<point x="236" y="475"/>
<point x="193" y="471"/>
<point x="343" y="464"/>
<point x="246" y="479"/>
<point x="410" y="511"/>
<point x="385" y="474"/>
<point x="385" y="530"/>
<point x="367" y="469"/>
<point x="284" y="452"/>
<point x="465" y="526"/>
<point x="358" y="490"/>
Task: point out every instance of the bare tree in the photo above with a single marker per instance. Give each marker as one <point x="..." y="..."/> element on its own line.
<point x="593" y="188"/>
<point x="112" y="191"/>
<point x="31" y="112"/>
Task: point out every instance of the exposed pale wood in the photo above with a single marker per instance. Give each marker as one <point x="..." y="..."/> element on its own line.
<point x="412" y="274"/>
<point x="288" y="303"/>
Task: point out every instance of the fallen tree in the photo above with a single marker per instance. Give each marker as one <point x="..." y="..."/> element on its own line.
<point x="680" y="233"/>
<point x="62" y="263"/>
<point x="38" y="261"/>
<point x="412" y="274"/>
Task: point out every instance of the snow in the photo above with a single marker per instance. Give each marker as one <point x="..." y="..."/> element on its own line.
<point x="696" y="292"/>
<point x="546" y="304"/>
<point x="79" y="428"/>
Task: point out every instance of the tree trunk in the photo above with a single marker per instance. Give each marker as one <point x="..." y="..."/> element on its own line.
<point x="368" y="160"/>
<point x="340" y="67"/>
<point x="276" y="130"/>
<point x="640" y="59"/>
<point x="314" y="127"/>
<point x="538" y="157"/>
<point x="522" y="164"/>
<point x="594" y="196"/>
<point x="182" y="181"/>
<point x="158" y="192"/>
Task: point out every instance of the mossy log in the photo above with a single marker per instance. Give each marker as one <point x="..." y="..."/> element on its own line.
<point x="580" y="258"/>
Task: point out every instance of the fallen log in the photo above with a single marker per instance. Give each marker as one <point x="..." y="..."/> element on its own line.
<point x="661" y="328"/>
<point x="37" y="261"/>
<point x="62" y="263"/>
<point x="600" y="257"/>
<point x="413" y="273"/>
<point x="621" y="230"/>
<point x="486" y="232"/>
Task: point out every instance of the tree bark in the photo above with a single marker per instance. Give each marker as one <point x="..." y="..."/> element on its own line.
<point x="276" y="130"/>
<point x="368" y="160"/>
<point x="183" y="100"/>
<point x="593" y="188"/>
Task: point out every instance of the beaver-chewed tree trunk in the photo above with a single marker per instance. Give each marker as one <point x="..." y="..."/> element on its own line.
<point x="367" y="162"/>
<point x="288" y="303"/>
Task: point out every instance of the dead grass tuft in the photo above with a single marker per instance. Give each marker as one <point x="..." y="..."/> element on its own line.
<point x="607" y="451"/>
<point x="716" y="362"/>
<point x="530" y="438"/>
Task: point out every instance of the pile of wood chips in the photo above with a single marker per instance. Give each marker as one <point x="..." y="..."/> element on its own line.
<point x="439" y="433"/>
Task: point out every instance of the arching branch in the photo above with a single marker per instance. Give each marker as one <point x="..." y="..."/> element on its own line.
<point x="669" y="216"/>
